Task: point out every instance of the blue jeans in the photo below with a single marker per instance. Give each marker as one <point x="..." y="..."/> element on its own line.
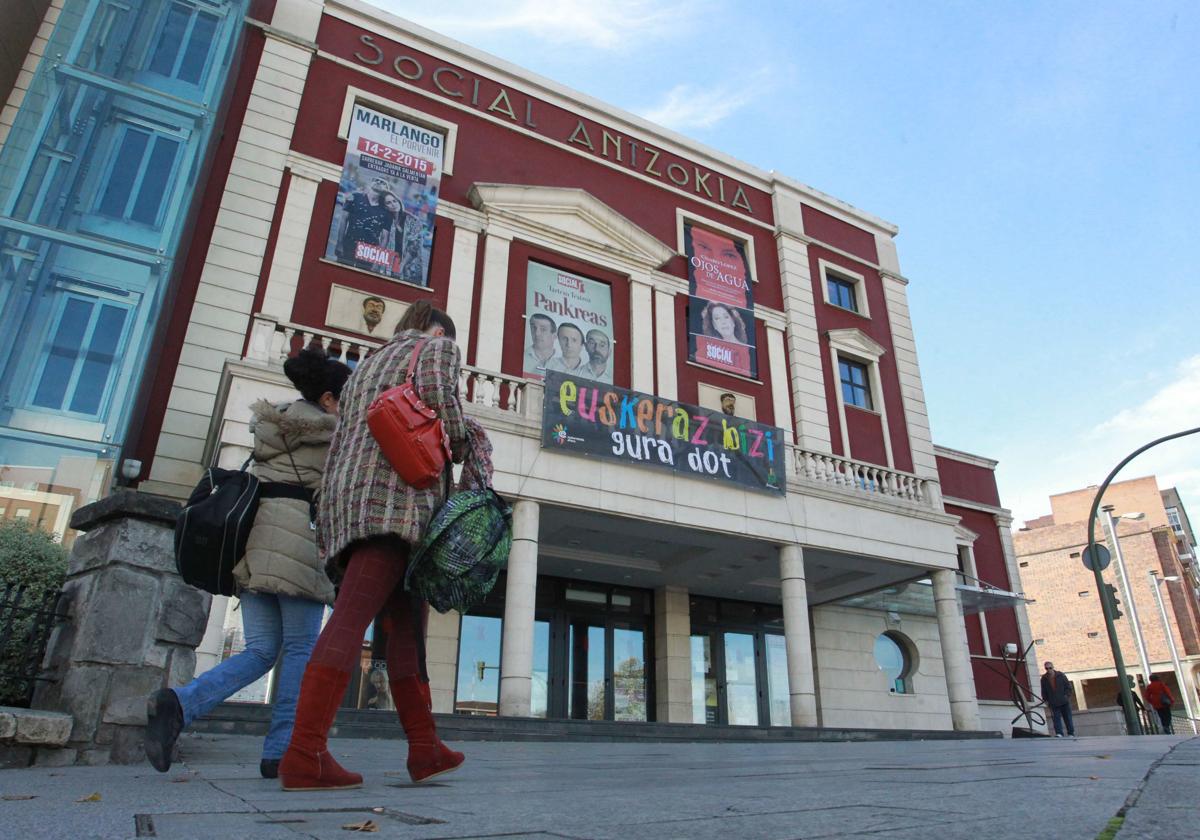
<point x="271" y="623"/>
<point x="1062" y="713"/>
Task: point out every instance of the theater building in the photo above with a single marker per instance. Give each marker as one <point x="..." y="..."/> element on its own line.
<point x="700" y="379"/>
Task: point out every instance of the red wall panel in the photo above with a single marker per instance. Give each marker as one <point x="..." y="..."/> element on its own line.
<point x="968" y="482"/>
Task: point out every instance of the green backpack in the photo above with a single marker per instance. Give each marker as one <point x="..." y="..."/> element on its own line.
<point x="456" y="565"/>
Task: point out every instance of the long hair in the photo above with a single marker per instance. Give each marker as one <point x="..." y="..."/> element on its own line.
<point x="739" y="326"/>
<point x="315" y="374"/>
<point x="422" y="315"/>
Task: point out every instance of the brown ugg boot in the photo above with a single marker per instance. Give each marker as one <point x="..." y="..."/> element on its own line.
<point x="427" y="755"/>
<point x="307" y="764"/>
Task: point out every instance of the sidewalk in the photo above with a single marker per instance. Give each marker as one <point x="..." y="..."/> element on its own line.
<point x="949" y="789"/>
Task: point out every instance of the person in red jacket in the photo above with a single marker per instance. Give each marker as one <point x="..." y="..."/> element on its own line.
<point x="1160" y="697"/>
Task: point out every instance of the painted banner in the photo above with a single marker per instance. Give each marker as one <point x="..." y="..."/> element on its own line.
<point x="721" y="306"/>
<point x="387" y="197"/>
<point x="583" y="417"/>
<point x="569" y="325"/>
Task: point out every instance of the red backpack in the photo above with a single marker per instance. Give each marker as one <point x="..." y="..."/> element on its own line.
<point x="409" y="432"/>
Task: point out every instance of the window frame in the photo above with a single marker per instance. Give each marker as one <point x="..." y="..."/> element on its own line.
<point x="125" y="124"/>
<point x="197" y="8"/>
<point x="857" y="283"/>
<point x="856" y="389"/>
<point x="902" y="685"/>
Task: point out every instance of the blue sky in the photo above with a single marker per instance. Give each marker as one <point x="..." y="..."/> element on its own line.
<point x="1042" y="161"/>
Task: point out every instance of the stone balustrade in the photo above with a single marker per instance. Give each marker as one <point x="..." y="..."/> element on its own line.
<point x="859" y="477"/>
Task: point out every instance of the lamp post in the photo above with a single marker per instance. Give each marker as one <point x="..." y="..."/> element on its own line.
<point x="1155" y="582"/>
<point x="1135" y="623"/>
<point x="1131" y="721"/>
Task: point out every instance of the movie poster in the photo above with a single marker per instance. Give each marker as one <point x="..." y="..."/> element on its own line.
<point x="568" y="325"/>
<point x="721" y="306"/>
<point x="387" y="197"/>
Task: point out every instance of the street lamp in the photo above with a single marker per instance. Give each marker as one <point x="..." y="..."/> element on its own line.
<point x="1155" y="582"/>
<point x="1126" y="585"/>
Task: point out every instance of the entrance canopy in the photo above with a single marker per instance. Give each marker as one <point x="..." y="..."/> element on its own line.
<point x="916" y="598"/>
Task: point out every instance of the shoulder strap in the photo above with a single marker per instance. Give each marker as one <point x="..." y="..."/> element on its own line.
<point x="412" y="362"/>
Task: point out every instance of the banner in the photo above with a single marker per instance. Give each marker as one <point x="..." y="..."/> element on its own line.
<point x="387" y="197"/>
<point x="721" y="306"/>
<point x="583" y="417"/>
<point x="568" y="323"/>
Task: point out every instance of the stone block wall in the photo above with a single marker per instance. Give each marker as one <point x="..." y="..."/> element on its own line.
<point x="132" y="627"/>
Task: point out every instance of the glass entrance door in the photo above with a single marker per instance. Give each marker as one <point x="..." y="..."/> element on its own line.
<point x="741" y="680"/>
<point x="586" y="657"/>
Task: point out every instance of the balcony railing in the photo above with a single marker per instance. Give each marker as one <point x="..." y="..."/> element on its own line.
<point x="273" y="341"/>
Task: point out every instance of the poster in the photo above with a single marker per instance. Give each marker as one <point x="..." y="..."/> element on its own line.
<point x="357" y="311"/>
<point x="583" y="417"/>
<point x="568" y="325"/>
<point x="721" y="306"/>
<point x="387" y="197"/>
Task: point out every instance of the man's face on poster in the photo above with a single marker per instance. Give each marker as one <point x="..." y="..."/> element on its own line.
<point x="598" y="347"/>
<point x="570" y="342"/>
<point x="378" y="187"/>
<point x="728" y="404"/>
<point x="712" y="248"/>
<point x="373" y="309"/>
<point x="541" y="332"/>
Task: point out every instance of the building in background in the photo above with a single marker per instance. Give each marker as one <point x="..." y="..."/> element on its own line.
<point x="1065" y="614"/>
<point x="817" y="575"/>
<point x="104" y="134"/>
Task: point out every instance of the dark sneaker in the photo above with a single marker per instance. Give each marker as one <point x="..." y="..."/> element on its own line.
<point x="269" y="768"/>
<point x="164" y="722"/>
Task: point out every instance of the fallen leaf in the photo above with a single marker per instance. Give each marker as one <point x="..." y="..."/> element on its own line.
<point x="377" y="810"/>
<point x="1104" y="756"/>
<point x="366" y="825"/>
<point x="95" y="797"/>
<point x="1093" y="778"/>
<point x="179" y="779"/>
<point x="14" y="797"/>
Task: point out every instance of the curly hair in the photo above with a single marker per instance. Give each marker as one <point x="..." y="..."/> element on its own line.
<point x="739" y="326"/>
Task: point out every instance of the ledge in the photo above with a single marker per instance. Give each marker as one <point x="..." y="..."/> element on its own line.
<point x="31" y="727"/>
<point x="125" y="503"/>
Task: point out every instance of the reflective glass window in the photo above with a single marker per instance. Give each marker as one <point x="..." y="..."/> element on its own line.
<point x="741" y="680"/>
<point x="892" y="658"/>
<point x="478" y="691"/>
<point x="856" y="389"/>
<point x="81" y="355"/>
<point x="778" y="697"/>
<point x="540" y="701"/>
<point x="629" y="675"/>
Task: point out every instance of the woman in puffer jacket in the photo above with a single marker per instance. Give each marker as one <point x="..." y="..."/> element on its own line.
<point x="282" y="584"/>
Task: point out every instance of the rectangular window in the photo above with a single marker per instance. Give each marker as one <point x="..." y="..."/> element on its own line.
<point x="184" y="44"/>
<point x="137" y="183"/>
<point x="1174" y="520"/>
<point x="856" y="384"/>
<point x="81" y="355"/>
<point x="841" y="293"/>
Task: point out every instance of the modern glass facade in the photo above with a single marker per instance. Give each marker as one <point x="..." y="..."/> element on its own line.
<point x="97" y="177"/>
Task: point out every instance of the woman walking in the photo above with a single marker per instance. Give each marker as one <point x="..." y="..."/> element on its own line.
<point x="282" y="585"/>
<point x="369" y="520"/>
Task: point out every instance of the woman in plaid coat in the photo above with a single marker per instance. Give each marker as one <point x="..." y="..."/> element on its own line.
<point x="369" y="520"/>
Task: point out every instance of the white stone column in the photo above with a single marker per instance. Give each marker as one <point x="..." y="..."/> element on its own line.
<point x="441" y="658"/>
<point x="284" y="276"/>
<point x="461" y="292"/>
<point x="489" y="347"/>
<point x="960" y="684"/>
<point x="912" y="393"/>
<point x="1024" y="631"/>
<point x="781" y="403"/>
<point x="672" y="655"/>
<point x="516" y="641"/>
<point x="665" y="353"/>
<point x="797" y="637"/>
<point x="641" y="334"/>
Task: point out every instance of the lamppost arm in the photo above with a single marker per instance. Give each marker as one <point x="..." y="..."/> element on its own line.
<point x="1131" y="721"/>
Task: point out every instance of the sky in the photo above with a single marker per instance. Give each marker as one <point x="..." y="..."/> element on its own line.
<point x="1042" y="161"/>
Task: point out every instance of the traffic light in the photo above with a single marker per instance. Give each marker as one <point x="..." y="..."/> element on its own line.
<point x="479" y="669"/>
<point x="1111" y="593"/>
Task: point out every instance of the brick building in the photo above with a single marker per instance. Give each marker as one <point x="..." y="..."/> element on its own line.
<point x="1065" y="615"/>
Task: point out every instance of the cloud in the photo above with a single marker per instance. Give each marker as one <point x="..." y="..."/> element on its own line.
<point x="1087" y="459"/>
<point x="687" y="106"/>
<point x="613" y="25"/>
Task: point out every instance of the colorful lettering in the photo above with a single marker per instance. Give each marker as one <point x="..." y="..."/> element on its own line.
<point x="567" y="393"/>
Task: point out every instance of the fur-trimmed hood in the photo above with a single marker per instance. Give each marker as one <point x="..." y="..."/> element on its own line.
<point x="299" y="423"/>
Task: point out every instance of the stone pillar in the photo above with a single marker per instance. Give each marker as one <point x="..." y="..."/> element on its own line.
<point x="641" y="334"/>
<point x="672" y="655"/>
<point x="797" y="637"/>
<point x="666" y="353"/>
<point x="132" y="626"/>
<point x="489" y="341"/>
<point x="516" y="641"/>
<point x="441" y="658"/>
<point x="460" y="294"/>
<point x="960" y="685"/>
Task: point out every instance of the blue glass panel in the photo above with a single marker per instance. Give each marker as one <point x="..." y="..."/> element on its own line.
<point x="192" y="69"/>
<point x="63" y="351"/>
<point x="98" y="361"/>
<point x="169" y="41"/>
<point x="890" y="659"/>
<point x="153" y="189"/>
<point x="123" y="173"/>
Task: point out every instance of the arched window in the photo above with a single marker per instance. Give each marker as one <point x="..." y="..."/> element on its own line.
<point x="893" y="655"/>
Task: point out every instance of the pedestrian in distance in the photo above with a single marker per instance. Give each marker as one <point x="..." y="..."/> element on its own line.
<point x="1161" y="699"/>
<point x="1056" y="693"/>
<point x="282" y="585"/>
<point x="369" y="521"/>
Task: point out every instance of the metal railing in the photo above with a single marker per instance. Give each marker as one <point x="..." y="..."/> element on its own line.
<point x="26" y="619"/>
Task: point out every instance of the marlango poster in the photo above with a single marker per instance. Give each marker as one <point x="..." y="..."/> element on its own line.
<point x="387" y="197"/>
<point x="568" y="325"/>
<point x="721" y="307"/>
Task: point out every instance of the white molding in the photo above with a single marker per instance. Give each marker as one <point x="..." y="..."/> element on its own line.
<point x="965" y="457"/>
<point x="854" y="342"/>
<point x="908" y="372"/>
<point x="447" y="129"/>
<point x="964" y="535"/>
<point x="859" y="281"/>
<point x="667" y="384"/>
<point x="682" y="216"/>
<point x="780" y="403"/>
<point x="860" y="347"/>
<point x="982" y="507"/>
